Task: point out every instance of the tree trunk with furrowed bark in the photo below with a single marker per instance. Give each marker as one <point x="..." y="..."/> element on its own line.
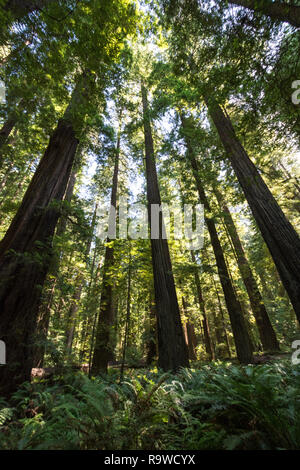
<point x="278" y="233"/>
<point x="172" y="348"/>
<point x="264" y="325"/>
<point x="239" y="329"/>
<point x="49" y="289"/>
<point x="189" y="331"/>
<point x="103" y="341"/>
<point x="26" y="250"/>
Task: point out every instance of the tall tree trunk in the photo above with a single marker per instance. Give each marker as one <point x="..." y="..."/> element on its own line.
<point x="103" y="341"/>
<point x="239" y="329"/>
<point x="73" y="313"/>
<point x="207" y="339"/>
<point x="266" y="331"/>
<point x="190" y="336"/>
<point x="191" y="340"/>
<point x="88" y="317"/>
<point x="128" y="316"/>
<point x="221" y="312"/>
<point x="278" y="233"/>
<point x="245" y="311"/>
<point x="151" y="343"/>
<point x="172" y="348"/>
<point x="49" y="290"/>
<point x="218" y="330"/>
<point x="26" y="250"/>
<point x="279" y="11"/>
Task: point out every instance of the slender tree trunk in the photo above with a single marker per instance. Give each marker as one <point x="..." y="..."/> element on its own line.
<point x="128" y="315"/>
<point x="73" y="313"/>
<point x="266" y="331"/>
<point x="245" y="311"/>
<point x="190" y="336"/>
<point x="78" y="291"/>
<point x="218" y="330"/>
<point x="103" y="342"/>
<point x="279" y="235"/>
<point x="95" y="318"/>
<point x="207" y="339"/>
<point x="26" y="251"/>
<point x="221" y="311"/>
<point x="172" y="348"/>
<point x="151" y="343"/>
<point x="279" y="11"/>
<point x="88" y="317"/>
<point x="239" y="329"/>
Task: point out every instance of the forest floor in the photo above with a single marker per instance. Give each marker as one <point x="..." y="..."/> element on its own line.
<point x="213" y="406"/>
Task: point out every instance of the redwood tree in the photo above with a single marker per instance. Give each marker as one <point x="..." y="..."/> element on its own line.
<point x="172" y="348"/>
<point x="278" y="233"/>
<point x="264" y="325"/>
<point x="26" y="250"/>
<point x="239" y="329"/>
<point x="103" y="345"/>
<point x="207" y="338"/>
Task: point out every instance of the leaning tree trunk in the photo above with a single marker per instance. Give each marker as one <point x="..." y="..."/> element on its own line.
<point x="278" y="233"/>
<point x="239" y="329"/>
<point x="266" y="331"/>
<point x="207" y="339"/>
<point x="172" y="349"/>
<point x="279" y="11"/>
<point x="103" y="341"/>
<point x="26" y="251"/>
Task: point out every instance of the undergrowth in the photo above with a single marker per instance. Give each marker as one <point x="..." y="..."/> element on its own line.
<point x="215" y="407"/>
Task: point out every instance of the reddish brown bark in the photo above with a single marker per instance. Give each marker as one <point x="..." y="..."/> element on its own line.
<point x="265" y="328"/>
<point x="239" y="329"/>
<point x="206" y="333"/>
<point x="172" y="349"/>
<point x="103" y="342"/>
<point x="152" y="341"/>
<point x="189" y="332"/>
<point x="26" y="251"/>
<point x="278" y="233"/>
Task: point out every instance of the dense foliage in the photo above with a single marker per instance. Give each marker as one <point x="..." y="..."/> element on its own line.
<point x="172" y="102"/>
<point x="212" y="407"/>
